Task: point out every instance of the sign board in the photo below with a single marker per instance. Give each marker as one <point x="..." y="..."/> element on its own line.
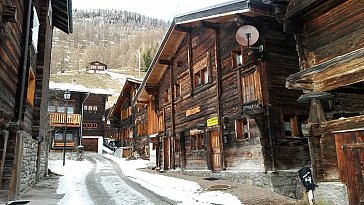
<point x="212" y="121"/>
<point x="192" y="111"/>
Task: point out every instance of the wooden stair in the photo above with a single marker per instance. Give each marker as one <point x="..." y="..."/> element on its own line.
<point x="7" y="156"/>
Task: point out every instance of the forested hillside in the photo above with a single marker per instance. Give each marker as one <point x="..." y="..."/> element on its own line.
<point x="110" y="36"/>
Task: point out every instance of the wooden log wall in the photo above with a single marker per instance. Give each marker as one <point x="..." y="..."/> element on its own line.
<point x="92" y="117"/>
<point x="11" y="51"/>
<point x="202" y="99"/>
<point x="334" y="33"/>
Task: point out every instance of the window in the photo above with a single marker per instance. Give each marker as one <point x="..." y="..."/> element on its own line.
<point x="201" y="77"/>
<point x="237" y="59"/>
<point x="85" y="107"/>
<point x="89" y="108"/>
<point x="61" y="109"/>
<point x="51" y="108"/>
<point x="292" y="125"/>
<point x="31" y="87"/>
<point x="70" y="109"/>
<point x="58" y="136"/>
<point x="242" y="129"/>
<point x="250" y="85"/>
<point x="69" y="137"/>
<point x="197" y="142"/>
<point x="94" y="108"/>
<point x="94" y="125"/>
<point x="166" y="96"/>
<point x="177" y="90"/>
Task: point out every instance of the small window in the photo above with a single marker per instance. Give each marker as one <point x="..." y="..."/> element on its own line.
<point x="51" y="108"/>
<point x="89" y="108"/>
<point x="177" y="88"/>
<point x="94" y="125"/>
<point x="58" y="136"/>
<point x="242" y="130"/>
<point x="292" y="125"/>
<point x="70" y="109"/>
<point x="69" y="137"/>
<point x="94" y="108"/>
<point x="197" y="142"/>
<point x="237" y="59"/>
<point x="166" y="96"/>
<point x="85" y="107"/>
<point x="61" y="109"/>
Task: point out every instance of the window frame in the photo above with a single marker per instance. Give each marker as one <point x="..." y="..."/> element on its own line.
<point x="240" y="126"/>
<point x="31" y="87"/>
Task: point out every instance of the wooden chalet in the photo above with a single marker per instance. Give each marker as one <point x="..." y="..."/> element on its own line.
<point x="215" y="105"/>
<point x="26" y="29"/>
<point x="329" y="38"/>
<point x="111" y="133"/>
<point x="96" y="66"/>
<point x="85" y="117"/>
<point x="124" y="118"/>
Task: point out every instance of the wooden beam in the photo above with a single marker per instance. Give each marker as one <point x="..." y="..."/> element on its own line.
<point x="165" y="62"/>
<point x="210" y="25"/>
<point x="152" y="89"/>
<point x="181" y="28"/>
<point x="339" y="71"/>
<point x="342" y="124"/>
<point x="189" y="59"/>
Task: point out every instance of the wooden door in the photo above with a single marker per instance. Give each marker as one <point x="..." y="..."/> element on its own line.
<point x="215" y="151"/>
<point x="166" y="152"/>
<point x="350" y="156"/>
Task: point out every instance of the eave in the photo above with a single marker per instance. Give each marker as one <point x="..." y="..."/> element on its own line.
<point x="334" y="73"/>
<point x="62" y="15"/>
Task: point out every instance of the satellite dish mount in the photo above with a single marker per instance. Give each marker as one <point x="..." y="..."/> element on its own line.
<point x="247" y="36"/>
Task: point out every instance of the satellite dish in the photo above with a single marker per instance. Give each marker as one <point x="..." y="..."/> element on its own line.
<point x="247" y="35"/>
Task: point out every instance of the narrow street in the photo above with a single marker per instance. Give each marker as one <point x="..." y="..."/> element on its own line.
<point x="107" y="184"/>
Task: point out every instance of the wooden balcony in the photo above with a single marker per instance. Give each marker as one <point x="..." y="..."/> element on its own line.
<point x="59" y="120"/>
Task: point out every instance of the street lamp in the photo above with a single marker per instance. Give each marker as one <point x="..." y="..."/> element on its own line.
<point x="67" y="96"/>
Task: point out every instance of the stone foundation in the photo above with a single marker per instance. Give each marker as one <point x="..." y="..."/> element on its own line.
<point x="284" y="182"/>
<point x="333" y="193"/>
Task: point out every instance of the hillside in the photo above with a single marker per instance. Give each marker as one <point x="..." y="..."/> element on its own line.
<point x="112" y="81"/>
<point x="113" y="37"/>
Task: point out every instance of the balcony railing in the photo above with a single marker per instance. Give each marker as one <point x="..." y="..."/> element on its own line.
<point x="59" y="120"/>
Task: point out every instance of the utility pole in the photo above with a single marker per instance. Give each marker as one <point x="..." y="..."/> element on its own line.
<point x="139" y="61"/>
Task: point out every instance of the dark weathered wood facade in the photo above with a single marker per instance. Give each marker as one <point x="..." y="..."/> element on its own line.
<point x="329" y="37"/>
<point x="25" y="46"/>
<point x="130" y="120"/>
<point x="219" y="114"/>
<point x="85" y="118"/>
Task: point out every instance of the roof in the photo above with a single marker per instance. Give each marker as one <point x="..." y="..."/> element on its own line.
<point x="220" y="13"/>
<point x="62" y="15"/>
<point x="97" y="62"/>
<point x="122" y="99"/>
<point x="77" y="88"/>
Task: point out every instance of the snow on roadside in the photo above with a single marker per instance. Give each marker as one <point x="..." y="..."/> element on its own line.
<point x="73" y="182"/>
<point x="180" y="190"/>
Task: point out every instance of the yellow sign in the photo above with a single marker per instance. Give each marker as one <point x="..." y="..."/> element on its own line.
<point x="212" y="121"/>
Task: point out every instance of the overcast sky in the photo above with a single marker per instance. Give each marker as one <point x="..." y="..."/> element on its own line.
<point x="163" y="9"/>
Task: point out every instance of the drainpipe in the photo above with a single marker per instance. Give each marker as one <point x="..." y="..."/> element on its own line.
<point x="24" y="63"/>
<point x="81" y="125"/>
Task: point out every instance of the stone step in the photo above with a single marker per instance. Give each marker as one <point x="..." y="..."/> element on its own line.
<point x="215" y="175"/>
